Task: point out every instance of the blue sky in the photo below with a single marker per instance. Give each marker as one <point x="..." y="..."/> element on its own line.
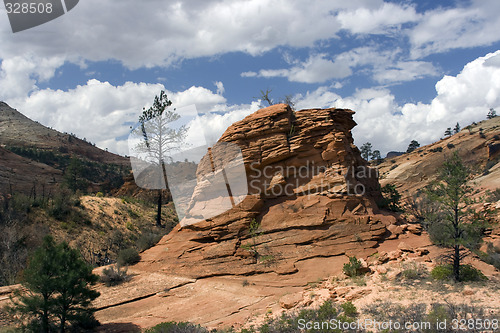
<point x="409" y="69"/>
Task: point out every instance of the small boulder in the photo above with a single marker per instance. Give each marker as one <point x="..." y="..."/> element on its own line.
<point x="421" y="252"/>
<point x="405" y="247"/>
<point x="468" y="291"/>
<point x="415" y="229"/>
<point x="392" y="275"/>
<point x="290" y="300"/>
<point x="394" y="255"/>
<point x="342" y="291"/>
<point x="383" y="258"/>
<point x="356" y="294"/>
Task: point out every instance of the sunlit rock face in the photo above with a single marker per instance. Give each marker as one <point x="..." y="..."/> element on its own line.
<point x="308" y="193"/>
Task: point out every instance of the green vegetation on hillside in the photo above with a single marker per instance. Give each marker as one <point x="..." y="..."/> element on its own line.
<point x="335" y="317"/>
<point x="79" y="173"/>
<point x="99" y="227"/>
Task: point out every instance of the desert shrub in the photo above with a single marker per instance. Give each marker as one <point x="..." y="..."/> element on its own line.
<point x="128" y="256"/>
<point x="323" y="316"/>
<point x="424" y="209"/>
<point x="413" y="271"/>
<point x="436" y="150"/>
<point x="491" y="256"/>
<point x="416" y="313"/>
<point x="99" y="194"/>
<point x="391" y="198"/>
<point x="467" y="273"/>
<point x="482" y="135"/>
<point x="61" y="205"/>
<point x="353" y="267"/>
<point x="349" y="309"/>
<point x="494" y="195"/>
<point x="386" y="311"/>
<point x="114" y="275"/>
<point x="148" y="240"/>
<point x="442" y="272"/>
<point x="470" y="273"/>
<point x="450" y="145"/>
<point x="450" y="311"/>
<point x="173" y="327"/>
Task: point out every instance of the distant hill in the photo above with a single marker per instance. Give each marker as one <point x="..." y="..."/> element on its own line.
<point x="477" y="144"/>
<point x="392" y="154"/>
<point x="32" y="155"/>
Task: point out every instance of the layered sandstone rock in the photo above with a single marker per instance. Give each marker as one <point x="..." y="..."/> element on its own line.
<point x="310" y="195"/>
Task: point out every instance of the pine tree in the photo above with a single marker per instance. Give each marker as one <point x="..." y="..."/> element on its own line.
<point x="456" y="129"/>
<point x="460" y="227"/>
<point x="412" y="146"/>
<point x="158" y="141"/>
<point x="58" y="282"/>
<point x="492" y="114"/>
<point x="376" y="155"/>
<point x="366" y="151"/>
<point x="448" y="132"/>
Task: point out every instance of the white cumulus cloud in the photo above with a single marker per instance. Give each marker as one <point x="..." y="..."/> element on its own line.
<point x="464" y="98"/>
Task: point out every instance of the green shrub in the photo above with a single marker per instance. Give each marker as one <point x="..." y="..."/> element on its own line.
<point x="114" y="275"/>
<point x="353" y="267"/>
<point x="493" y="196"/>
<point x="467" y="273"/>
<point x="349" y="309"/>
<point x="128" y="256"/>
<point x="133" y="214"/>
<point x="173" y="327"/>
<point x="442" y="272"/>
<point x="386" y="311"/>
<point x="470" y="273"/>
<point x="413" y="271"/>
<point x="324" y="314"/>
<point x="491" y="256"/>
<point x="148" y="240"/>
<point x="391" y="198"/>
<point x="99" y="194"/>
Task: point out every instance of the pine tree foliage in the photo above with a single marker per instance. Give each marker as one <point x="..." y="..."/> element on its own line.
<point x="59" y="293"/>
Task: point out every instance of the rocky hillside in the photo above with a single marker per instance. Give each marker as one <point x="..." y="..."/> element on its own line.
<point x="32" y="155"/>
<point x="478" y="144"/>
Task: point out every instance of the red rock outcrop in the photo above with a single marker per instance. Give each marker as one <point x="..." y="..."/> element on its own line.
<point x="323" y="204"/>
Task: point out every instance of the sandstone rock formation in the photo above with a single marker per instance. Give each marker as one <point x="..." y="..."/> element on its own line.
<point x="310" y="195"/>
